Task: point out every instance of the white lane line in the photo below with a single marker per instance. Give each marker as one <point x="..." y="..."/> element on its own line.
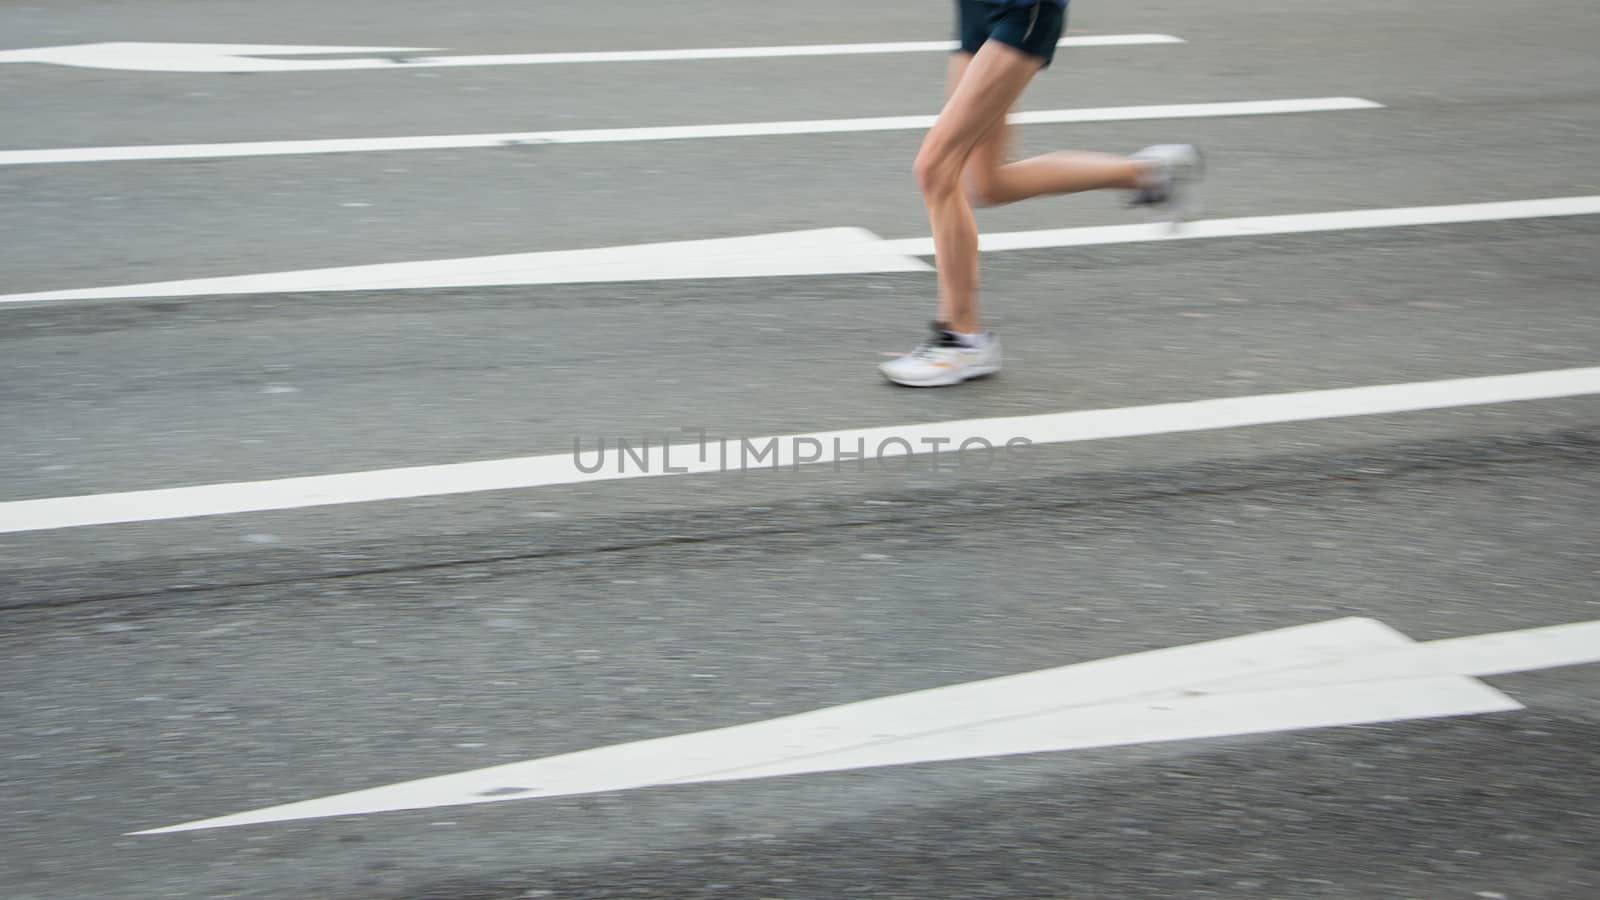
<point x="1341" y="672"/>
<point x="1479" y="656"/>
<point x="1261" y="226"/>
<point x="784" y="452"/>
<point x="229" y="58"/>
<point x="664" y="133"/>
<point x="817" y="252"/>
<point x="824" y="251"/>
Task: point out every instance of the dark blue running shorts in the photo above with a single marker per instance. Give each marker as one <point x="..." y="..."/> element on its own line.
<point x="1034" y="28"/>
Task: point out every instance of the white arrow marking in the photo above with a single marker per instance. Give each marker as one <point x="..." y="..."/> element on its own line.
<point x="237" y="58"/>
<point x="154" y="57"/>
<point x="783" y="452"/>
<point x="828" y="251"/>
<point x="666" y="133"/>
<point x="832" y="251"/>
<point x="1344" y="672"/>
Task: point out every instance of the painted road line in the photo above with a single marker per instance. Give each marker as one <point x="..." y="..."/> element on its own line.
<point x="1262" y="226"/>
<point x="665" y="133"/>
<point x="785" y="452"/>
<point x="894" y="719"/>
<point x="829" y="251"/>
<point x="1342" y="672"/>
<point x="1480" y="656"/>
<point x="630" y="767"/>
<point x="232" y="58"/>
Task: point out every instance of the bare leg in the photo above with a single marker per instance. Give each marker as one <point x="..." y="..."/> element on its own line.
<point x="985" y="89"/>
<point x="993" y="179"/>
<point x="1067" y="172"/>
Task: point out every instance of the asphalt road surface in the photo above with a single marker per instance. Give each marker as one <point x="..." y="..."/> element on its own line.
<point x="162" y="665"/>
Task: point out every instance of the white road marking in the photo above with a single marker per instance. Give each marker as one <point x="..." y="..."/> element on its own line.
<point x="819" y="252"/>
<point x="827" y="251"/>
<point x="1343" y="672"/>
<point x="785" y="451"/>
<point x="1261" y="226"/>
<point x="234" y="58"/>
<point x="1480" y="656"/>
<point x="665" y="133"/>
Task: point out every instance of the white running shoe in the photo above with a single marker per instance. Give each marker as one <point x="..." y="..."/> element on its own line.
<point x="1172" y="189"/>
<point x="944" y="359"/>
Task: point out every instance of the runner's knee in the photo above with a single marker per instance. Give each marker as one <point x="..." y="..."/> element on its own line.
<point x="985" y="189"/>
<point x="937" y="172"/>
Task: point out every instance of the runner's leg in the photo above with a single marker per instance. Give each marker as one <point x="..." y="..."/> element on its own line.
<point x="995" y="182"/>
<point x="988" y="87"/>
